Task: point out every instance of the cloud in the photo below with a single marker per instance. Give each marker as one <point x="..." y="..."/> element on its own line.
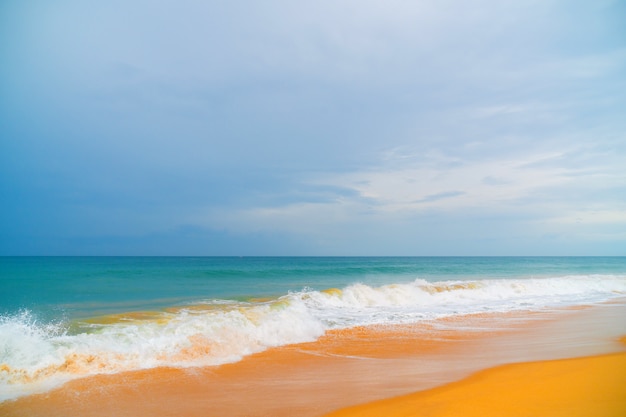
<point x="440" y="196"/>
<point x="338" y="126"/>
<point x="524" y="197"/>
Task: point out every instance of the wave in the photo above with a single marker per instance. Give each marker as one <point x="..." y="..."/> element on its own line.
<point x="35" y="356"/>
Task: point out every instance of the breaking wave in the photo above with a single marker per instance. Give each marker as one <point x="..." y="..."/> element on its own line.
<point x="36" y="356"/>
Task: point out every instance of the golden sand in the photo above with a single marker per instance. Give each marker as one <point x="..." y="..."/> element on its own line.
<point x="378" y="367"/>
<point x="583" y="387"/>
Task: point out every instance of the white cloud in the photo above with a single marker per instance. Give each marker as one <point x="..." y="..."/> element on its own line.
<point x="465" y="183"/>
<point x="409" y="199"/>
<point x="592" y="217"/>
<point x="335" y="120"/>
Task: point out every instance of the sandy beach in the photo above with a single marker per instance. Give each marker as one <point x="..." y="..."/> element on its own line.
<point x="558" y="363"/>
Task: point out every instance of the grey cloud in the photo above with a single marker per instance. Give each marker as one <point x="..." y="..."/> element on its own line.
<point x="491" y="180"/>
<point x="116" y="113"/>
<point x="440" y="196"/>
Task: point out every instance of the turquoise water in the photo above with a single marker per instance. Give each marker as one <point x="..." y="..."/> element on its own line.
<point x="79" y="287"/>
<point x="117" y="314"/>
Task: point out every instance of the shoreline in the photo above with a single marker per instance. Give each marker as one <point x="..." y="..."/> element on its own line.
<point x="342" y="369"/>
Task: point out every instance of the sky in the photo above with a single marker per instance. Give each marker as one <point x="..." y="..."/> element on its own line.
<point x="329" y="127"/>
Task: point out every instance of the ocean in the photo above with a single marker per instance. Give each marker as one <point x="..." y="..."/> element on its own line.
<point x="63" y="318"/>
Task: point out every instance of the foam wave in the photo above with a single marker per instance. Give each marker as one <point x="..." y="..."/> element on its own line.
<point x="35" y="356"/>
<point x="360" y="304"/>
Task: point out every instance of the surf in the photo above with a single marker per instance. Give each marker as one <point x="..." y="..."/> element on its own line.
<point x="37" y="355"/>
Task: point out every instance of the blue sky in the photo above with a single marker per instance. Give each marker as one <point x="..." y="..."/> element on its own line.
<point x="420" y="127"/>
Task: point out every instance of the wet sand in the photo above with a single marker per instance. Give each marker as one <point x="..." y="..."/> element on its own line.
<point x="364" y="365"/>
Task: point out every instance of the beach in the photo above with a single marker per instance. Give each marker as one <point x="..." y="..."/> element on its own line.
<point x="550" y="363"/>
<point x="312" y="209"/>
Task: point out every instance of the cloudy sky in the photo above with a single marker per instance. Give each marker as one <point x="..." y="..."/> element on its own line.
<point x="340" y="127"/>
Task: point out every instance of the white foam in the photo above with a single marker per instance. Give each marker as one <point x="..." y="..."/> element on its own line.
<point x="360" y="304"/>
<point x="32" y="356"/>
<point x="35" y="356"/>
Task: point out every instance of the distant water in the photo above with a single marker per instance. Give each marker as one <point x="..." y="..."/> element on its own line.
<point x="66" y="317"/>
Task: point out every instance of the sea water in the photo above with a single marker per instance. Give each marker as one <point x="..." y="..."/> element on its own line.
<point x="67" y="317"/>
